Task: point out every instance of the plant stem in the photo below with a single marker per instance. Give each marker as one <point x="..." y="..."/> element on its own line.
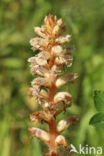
<point x="52" y="125"/>
<point x="53" y="134"/>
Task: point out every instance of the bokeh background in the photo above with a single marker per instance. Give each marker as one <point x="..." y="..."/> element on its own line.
<point x="84" y="20"/>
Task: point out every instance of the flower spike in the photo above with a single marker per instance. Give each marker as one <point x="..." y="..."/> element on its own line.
<point x="47" y="67"/>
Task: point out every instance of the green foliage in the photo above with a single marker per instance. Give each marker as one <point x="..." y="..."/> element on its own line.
<point x="98" y="119"/>
<point x="84" y="20"/>
<point x="99" y="100"/>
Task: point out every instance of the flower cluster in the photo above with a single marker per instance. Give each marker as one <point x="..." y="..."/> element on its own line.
<point x="48" y="64"/>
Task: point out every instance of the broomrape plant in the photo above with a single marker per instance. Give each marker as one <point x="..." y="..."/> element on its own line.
<point x="48" y="64"/>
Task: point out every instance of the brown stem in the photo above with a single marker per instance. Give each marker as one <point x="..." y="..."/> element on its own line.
<point x="53" y="134"/>
<point x="52" y="93"/>
<point x="52" y="123"/>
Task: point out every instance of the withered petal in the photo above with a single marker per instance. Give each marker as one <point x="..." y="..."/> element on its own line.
<point x="64" y="79"/>
<point x="64" y="124"/>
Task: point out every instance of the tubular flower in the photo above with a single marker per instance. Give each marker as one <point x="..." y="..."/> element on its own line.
<point x="48" y="65"/>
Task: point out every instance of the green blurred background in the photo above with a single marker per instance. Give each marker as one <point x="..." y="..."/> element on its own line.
<point x="84" y="20"/>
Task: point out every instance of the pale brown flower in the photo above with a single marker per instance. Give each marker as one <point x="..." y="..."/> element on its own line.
<point x="64" y="124"/>
<point x="60" y="140"/>
<point x="42" y="135"/>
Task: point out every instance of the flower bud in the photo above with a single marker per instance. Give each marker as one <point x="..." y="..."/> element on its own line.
<point x="49" y="21"/>
<point x="59" y="22"/>
<point x="39" y="32"/>
<point x="62" y="125"/>
<point x="60" y="140"/>
<point x="42" y="135"/>
<point x="56" y="30"/>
